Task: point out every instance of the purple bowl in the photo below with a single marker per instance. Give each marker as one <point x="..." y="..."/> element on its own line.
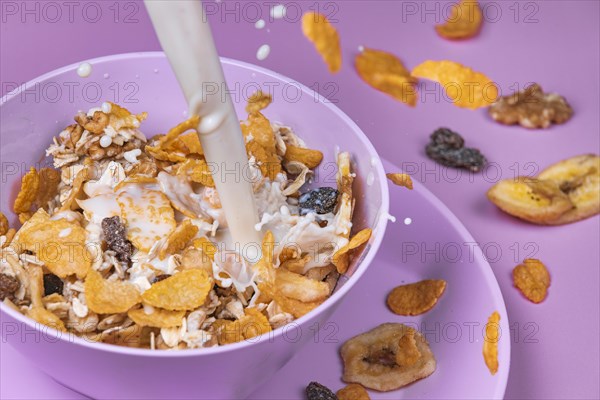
<point x="30" y="115"/>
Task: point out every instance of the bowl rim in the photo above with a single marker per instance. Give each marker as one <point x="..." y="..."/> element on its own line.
<point x="378" y="228"/>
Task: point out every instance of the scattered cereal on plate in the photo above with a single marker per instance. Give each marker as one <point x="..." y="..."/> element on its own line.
<point x="353" y="391"/>
<point x="447" y="148"/>
<point x="490" y="343"/>
<point x="532" y="279"/>
<point x="416" y="298"/>
<point x="316" y="391"/>
<point x="401" y="180"/>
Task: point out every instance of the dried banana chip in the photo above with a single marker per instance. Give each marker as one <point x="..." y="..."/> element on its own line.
<point x="158" y="318"/>
<point x="258" y="101"/>
<point x="324" y="37"/>
<point x="109" y="297"/>
<point x="534" y="200"/>
<point x="401" y="180"/>
<point x="308" y="157"/>
<point x="185" y="290"/>
<point x="3" y="224"/>
<point x="178" y="239"/>
<point x="299" y="287"/>
<point x="371" y="359"/>
<point x="252" y="324"/>
<point x="579" y="178"/>
<point x="385" y="72"/>
<point x="464" y="22"/>
<point x="490" y="343"/>
<point x="532" y="279"/>
<point x="464" y="86"/>
<point x="353" y="391"/>
<point x="59" y="244"/>
<point x="357" y="240"/>
<point x="416" y="298"/>
<point x="29" y="190"/>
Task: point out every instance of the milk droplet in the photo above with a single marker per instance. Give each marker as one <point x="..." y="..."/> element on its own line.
<point x="156" y="70"/>
<point x="370" y="178"/>
<point x="105" y="141"/>
<point x="263" y="52"/>
<point x="106" y="107"/>
<point x="137" y="76"/>
<point x="259" y="24"/>
<point x="361" y="48"/>
<point x="407" y="221"/>
<point x="278" y="11"/>
<point x="106" y="76"/>
<point x="373" y="161"/>
<point x="84" y="70"/>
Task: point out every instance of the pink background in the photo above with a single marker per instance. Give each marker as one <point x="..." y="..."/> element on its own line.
<point x="555" y="43"/>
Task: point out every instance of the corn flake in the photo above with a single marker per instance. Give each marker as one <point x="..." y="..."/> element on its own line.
<point x="264" y="267"/>
<point x="185" y="290"/>
<point x="356" y="241"/>
<point x="408" y="353"/>
<point x="59" y="244"/>
<point x="77" y="192"/>
<point x="178" y="239"/>
<point x="252" y="324"/>
<point x="299" y="287"/>
<point x="464" y="22"/>
<point x="308" y="157"/>
<point x="464" y="86"/>
<point x="532" y="279"/>
<point x="385" y="72"/>
<point x="268" y="162"/>
<point x="3" y="224"/>
<point x="324" y="37"/>
<point x="166" y="147"/>
<point x="401" y="180"/>
<point x="353" y="391"/>
<point x="30" y="184"/>
<point x="490" y="343"/>
<point x="258" y="101"/>
<point x="37" y="310"/>
<point x="109" y="297"/>
<point x="197" y="171"/>
<point x="157" y="319"/>
<point x="416" y="298"/>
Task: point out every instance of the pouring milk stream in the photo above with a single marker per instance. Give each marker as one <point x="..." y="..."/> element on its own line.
<point x="185" y="36"/>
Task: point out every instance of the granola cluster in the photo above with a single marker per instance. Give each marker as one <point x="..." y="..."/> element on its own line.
<point x="125" y="243"/>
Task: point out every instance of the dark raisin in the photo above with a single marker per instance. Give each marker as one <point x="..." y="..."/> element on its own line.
<point x="52" y="284"/>
<point x="316" y="391"/>
<point x="160" y="278"/>
<point x="322" y="201"/>
<point x="8" y="286"/>
<point x="447" y="138"/>
<point x="446" y="148"/>
<point x="115" y="235"/>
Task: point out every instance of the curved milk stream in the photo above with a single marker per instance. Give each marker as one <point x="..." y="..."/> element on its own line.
<point x="185" y="36"/>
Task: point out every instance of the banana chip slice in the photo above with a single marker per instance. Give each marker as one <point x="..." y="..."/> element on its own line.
<point x="565" y="192"/>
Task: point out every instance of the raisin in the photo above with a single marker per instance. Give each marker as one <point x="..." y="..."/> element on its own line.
<point x="322" y="201"/>
<point x="160" y="278"/>
<point x="8" y="286"/>
<point x="52" y="284"/>
<point x="316" y="391"/>
<point x="446" y="148"/>
<point x="116" y="237"/>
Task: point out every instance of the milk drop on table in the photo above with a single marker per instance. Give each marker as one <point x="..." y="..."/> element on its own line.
<point x="84" y="70"/>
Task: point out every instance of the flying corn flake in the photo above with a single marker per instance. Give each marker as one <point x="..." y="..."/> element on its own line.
<point x="185" y="290"/>
<point x="308" y="157"/>
<point x="109" y="297"/>
<point x="357" y="240"/>
<point x="59" y="244"/>
<point x="148" y="215"/>
<point x="3" y="224"/>
<point x="29" y="190"/>
<point x="464" y="22"/>
<point x="324" y="37"/>
<point x="465" y="87"/>
<point x="490" y="343"/>
<point x="252" y="324"/>
<point x="258" y="101"/>
<point x="385" y="72"/>
<point x="353" y="391"/>
<point x="416" y="298"/>
<point x="122" y="118"/>
<point x="157" y="319"/>
<point x="299" y="287"/>
<point x="401" y="180"/>
<point x="408" y="352"/>
<point x="532" y="279"/>
<point x="178" y="239"/>
<point x="198" y="171"/>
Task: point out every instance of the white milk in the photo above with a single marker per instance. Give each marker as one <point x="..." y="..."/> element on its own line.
<point x="185" y="36"/>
